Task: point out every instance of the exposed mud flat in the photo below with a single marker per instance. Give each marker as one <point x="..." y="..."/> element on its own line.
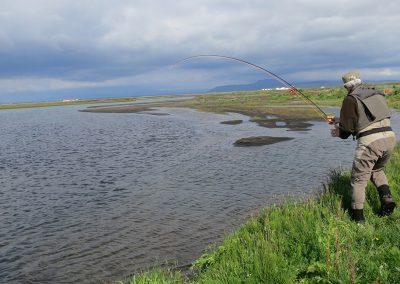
<point x="260" y="141"/>
<point x="156" y="113"/>
<point x="232" y="122"/>
<point x="290" y="124"/>
<point x="119" y="109"/>
<point x="126" y="109"/>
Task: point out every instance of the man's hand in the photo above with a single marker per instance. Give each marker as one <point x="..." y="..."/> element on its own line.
<point x="332" y="119"/>
<point x="335" y="132"/>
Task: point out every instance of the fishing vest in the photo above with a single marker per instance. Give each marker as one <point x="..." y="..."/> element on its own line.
<point x="372" y="106"/>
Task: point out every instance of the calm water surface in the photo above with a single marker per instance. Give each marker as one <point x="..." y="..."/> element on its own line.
<point x="89" y="197"/>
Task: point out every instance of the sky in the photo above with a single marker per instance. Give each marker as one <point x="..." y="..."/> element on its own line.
<point x="52" y="49"/>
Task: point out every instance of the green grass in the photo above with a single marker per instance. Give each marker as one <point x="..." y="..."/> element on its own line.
<point x="158" y="276"/>
<point x="306" y="242"/>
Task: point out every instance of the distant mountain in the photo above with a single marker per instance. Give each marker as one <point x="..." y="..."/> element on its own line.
<point x="270" y="83"/>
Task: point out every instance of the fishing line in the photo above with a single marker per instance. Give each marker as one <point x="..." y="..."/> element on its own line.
<point x="293" y="89"/>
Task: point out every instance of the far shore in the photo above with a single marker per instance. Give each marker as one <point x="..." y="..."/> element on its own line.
<point x="251" y="102"/>
<point x="64" y="103"/>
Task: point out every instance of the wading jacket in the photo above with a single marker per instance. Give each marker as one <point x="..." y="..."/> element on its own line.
<point x="362" y="109"/>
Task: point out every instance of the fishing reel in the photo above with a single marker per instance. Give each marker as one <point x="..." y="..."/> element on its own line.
<point x="333" y="121"/>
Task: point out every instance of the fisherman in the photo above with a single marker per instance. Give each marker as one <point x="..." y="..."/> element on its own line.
<point x="366" y="116"/>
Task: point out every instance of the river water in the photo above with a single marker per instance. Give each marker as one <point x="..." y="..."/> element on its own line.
<point x="89" y="197"/>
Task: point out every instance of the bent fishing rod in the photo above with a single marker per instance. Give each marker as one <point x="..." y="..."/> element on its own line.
<point x="293" y="89"/>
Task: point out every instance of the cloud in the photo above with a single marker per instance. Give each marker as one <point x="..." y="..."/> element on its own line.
<point x="47" y="44"/>
<point x="367" y="74"/>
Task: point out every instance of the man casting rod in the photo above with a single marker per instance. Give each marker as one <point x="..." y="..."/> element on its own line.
<point x="269" y="73"/>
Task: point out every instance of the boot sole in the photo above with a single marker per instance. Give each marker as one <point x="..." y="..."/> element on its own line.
<point x="387" y="209"/>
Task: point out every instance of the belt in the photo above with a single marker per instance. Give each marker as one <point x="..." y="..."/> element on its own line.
<point x="373" y="131"/>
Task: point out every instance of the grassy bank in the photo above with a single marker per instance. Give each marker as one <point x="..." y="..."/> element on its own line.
<point x="306" y="242"/>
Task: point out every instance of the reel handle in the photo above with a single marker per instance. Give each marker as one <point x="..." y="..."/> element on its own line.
<point x="332" y="120"/>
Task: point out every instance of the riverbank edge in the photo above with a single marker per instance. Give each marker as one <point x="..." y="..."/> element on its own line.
<point x="306" y="242"/>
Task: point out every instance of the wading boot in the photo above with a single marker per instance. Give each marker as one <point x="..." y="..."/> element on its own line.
<point x="357" y="215"/>
<point x="387" y="203"/>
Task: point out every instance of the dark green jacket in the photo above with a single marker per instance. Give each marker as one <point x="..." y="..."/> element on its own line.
<point x="362" y="107"/>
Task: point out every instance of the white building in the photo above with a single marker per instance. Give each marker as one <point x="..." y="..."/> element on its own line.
<point x="69" y="100"/>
